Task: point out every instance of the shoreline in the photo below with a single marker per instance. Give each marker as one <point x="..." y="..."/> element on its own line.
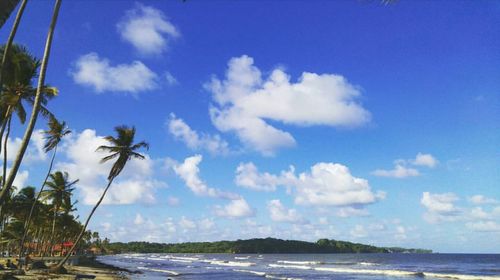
<point x="86" y="269"/>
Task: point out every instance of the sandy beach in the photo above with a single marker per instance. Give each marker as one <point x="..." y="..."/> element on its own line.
<point x="87" y="270"/>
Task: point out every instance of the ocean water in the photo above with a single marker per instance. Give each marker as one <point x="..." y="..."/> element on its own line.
<point x="309" y="266"/>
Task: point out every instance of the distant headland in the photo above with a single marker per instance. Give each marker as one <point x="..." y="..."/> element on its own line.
<point x="257" y="246"/>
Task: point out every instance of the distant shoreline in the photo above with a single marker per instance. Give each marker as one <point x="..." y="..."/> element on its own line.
<point x="258" y="246"/>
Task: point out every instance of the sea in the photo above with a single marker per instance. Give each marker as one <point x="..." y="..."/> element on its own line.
<point x="309" y="266"/>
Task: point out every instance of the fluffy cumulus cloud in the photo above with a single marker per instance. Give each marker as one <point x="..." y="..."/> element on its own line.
<point x="245" y="100"/>
<point x="427" y="160"/>
<point x="147" y="29"/>
<point x="484" y="226"/>
<point x="98" y="73"/>
<point x="238" y="208"/>
<point x="83" y="162"/>
<point x="279" y="213"/>
<point x="440" y="207"/>
<point x="34" y="152"/>
<point x="399" y="171"/>
<point x="327" y="184"/>
<point x="405" y="168"/>
<point x="481" y="199"/>
<point x="194" y="140"/>
<point x="248" y="176"/>
<point x="189" y="171"/>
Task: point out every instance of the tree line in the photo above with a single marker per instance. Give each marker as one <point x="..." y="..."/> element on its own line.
<point x="257" y="246"/>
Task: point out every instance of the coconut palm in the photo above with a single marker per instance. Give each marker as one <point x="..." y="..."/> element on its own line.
<point x="123" y="149"/>
<point x="59" y="193"/>
<point x="36" y="106"/>
<point x="6" y="7"/>
<point x="53" y="136"/>
<point x="19" y="71"/>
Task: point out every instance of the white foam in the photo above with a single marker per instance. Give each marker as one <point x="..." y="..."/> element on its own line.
<point x="160" y="270"/>
<point x="367" y="263"/>
<point x="242" y="258"/>
<point x="229" y="263"/>
<point x="181" y="261"/>
<point x="300" y="262"/>
<point x="251" y="272"/>
<point x="290" y="266"/>
<point x="155" y="259"/>
<point x="406" y="273"/>
<point x="185" y="258"/>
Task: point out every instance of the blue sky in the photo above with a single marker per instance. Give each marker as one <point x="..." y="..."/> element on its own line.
<point x="302" y="120"/>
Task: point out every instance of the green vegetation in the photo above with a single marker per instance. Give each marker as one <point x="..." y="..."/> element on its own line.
<point x="257" y="246"/>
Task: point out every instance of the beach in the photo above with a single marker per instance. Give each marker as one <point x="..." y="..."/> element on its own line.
<point x="88" y="269"/>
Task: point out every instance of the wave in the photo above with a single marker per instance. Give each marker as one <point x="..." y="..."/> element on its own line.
<point x="407" y="273"/>
<point x="290" y="266"/>
<point x="229" y="263"/>
<point x="160" y="270"/>
<point x="185" y="258"/>
<point x="300" y="262"/>
<point x="265" y="275"/>
<point x="251" y="272"/>
<point x="181" y="261"/>
<point x="242" y="258"/>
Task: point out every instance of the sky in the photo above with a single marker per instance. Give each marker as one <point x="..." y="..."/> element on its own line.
<point x="348" y="120"/>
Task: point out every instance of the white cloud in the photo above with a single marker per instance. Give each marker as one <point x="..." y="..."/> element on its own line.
<point x="171" y="80"/>
<point x="279" y="213"/>
<point x="481" y="199"/>
<point x="21" y="178"/>
<point x="248" y="176"/>
<point x="98" y="73"/>
<point x="327" y="184"/>
<point x="346" y="212"/>
<point x="484" y="226"/>
<point x="206" y="224"/>
<point x="332" y="184"/>
<point x="134" y="184"/>
<point x="440" y="207"/>
<point x="194" y="140"/>
<point x="147" y="29"/>
<point x="477" y="213"/>
<point x="173" y="201"/>
<point x="425" y="160"/>
<point x="403" y="170"/>
<point x="399" y="171"/>
<point x="186" y="223"/>
<point x="189" y="171"/>
<point x="237" y="208"/>
<point x="244" y="101"/>
<point x="34" y="152"/>
<point x="139" y="220"/>
<point x="358" y="231"/>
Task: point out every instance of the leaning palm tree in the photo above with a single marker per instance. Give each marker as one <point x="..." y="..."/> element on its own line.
<point x="59" y="193"/>
<point x="36" y="106"/>
<point x="53" y="136"/>
<point x="19" y="71"/>
<point x="123" y="148"/>
<point x="6" y="7"/>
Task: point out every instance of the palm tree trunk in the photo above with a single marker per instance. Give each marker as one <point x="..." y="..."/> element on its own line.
<point x="12" y="31"/>
<point x="52" y="237"/>
<point x="28" y="220"/>
<point x="79" y="238"/>
<point x="5" y="151"/>
<point x="2" y="130"/>
<point x="36" y="106"/>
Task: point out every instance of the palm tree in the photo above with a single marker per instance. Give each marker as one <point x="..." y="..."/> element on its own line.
<point x="123" y="148"/>
<point x="6" y="7"/>
<point x="19" y="71"/>
<point x="36" y="106"/>
<point x="59" y="192"/>
<point x="53" y="136"/>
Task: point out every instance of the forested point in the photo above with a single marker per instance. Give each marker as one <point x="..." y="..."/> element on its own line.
<point x="257" y="246"/>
